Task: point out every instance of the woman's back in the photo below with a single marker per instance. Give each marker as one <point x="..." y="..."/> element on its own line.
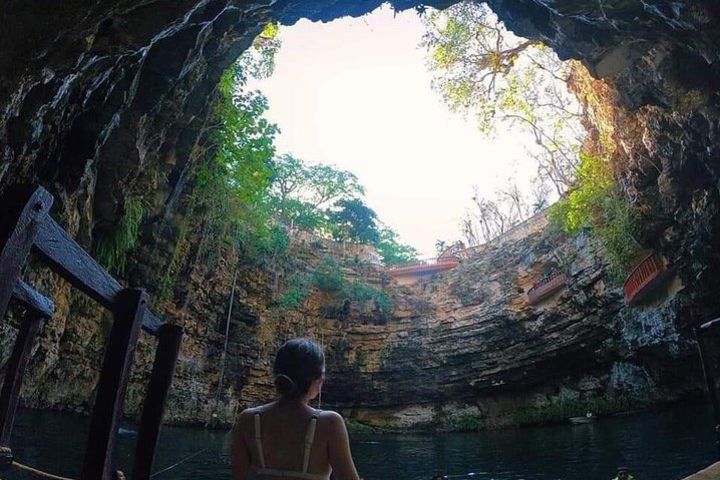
<point x="287" y="433"/>
<point x="286" y="438"/>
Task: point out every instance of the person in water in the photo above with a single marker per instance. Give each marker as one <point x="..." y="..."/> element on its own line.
<point x="623" y="473"/>
<point x="287" y="438"/>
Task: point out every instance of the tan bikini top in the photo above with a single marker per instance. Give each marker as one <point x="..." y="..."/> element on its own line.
<point x="309" y="437"/>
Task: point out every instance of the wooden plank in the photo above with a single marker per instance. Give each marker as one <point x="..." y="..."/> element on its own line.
<point x="710" y="324"/>
<point x="710" y="381"/>
<point x="23" y="210"/>
<point x="33" y="300"/>
<point x="151" y="323"/>
<point x="710" y="473"/>
<point x="169" y="339"/>
<point x="68" y="259"/>
<point x="107" y="411"/>
<point x="14" y="372"/>
<point x="74" y="264"/>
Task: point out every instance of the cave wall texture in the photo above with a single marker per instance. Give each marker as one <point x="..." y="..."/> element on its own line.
<point x="105" y="101"/>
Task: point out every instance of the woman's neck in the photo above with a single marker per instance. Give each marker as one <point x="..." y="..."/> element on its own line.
<point x="295" y="403"/>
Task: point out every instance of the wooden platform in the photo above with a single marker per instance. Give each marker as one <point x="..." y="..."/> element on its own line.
<point x="710" y="473"/>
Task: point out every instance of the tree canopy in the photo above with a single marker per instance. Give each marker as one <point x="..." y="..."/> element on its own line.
<point x="504" y="80"/>
<point x="352" y="220"/>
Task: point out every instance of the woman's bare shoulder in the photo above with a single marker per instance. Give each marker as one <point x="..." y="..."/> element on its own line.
<point x="332" y="419"/>
<point x="246" y="420"/>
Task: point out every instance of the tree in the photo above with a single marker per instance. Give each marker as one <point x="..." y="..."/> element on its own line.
<point x="232" y="184"/>
<point x="352" y="220"/>
<point x="392" y="251"/>
<point x="483" y="69"/>
<point x="301" y="194"/>
<point x="494" y="215"/>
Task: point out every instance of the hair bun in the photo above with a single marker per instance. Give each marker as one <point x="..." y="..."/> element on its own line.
<point x="285" y="385"/>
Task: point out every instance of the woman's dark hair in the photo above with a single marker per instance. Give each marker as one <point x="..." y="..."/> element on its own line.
<point x="298" y="362"/>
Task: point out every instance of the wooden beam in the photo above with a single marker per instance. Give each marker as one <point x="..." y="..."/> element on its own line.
<point x="107" y="412"/>
<point x="33" y="300"/>
<point x="710" y="324"/>
<point x="70" y="261"/>
<point x="22" y="211"/>
<point x="74" y="264"/>
<point x="14" y="372"/>
<point x="711" y="383"/>
<point x="151" y="323"/>
<point x="168" y="348"/>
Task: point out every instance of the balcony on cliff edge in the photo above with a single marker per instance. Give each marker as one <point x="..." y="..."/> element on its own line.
<point x="547" y="286"/>
<point x="447" y="260"/>
<point x="645" y="277"/>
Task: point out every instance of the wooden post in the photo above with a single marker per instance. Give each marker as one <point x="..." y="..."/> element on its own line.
<point x="23" y="211"/>
<point x="709" y="375"/>
<point x="129" y="313"/>
<point x="15" y="369"/>
<point x="168" y="348"/>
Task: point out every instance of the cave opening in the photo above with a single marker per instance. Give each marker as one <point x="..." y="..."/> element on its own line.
<point x="107" y="106"/>
<point x="368" y="94"/>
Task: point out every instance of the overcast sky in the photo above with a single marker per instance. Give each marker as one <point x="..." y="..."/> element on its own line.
<point x="356" y="93"/>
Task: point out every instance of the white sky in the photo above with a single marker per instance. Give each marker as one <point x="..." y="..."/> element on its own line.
<point x="356" y="93"/>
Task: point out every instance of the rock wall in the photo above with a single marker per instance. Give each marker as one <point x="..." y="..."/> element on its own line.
<point x="106" y="102"/>
<point x="467" y="344"/>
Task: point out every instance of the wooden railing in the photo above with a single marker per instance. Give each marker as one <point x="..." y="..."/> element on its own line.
<point x="546" y="287"/>
<point x="25" y="227"/>
<point x="640" y="279"/>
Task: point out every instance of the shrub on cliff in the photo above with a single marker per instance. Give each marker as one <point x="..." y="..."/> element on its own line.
<point x="596" y="204"/>
<point x="329" y="277"/>
<point x="112" y="247"/>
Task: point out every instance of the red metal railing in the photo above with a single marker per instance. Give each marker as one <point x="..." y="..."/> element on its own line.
<point x="546" y="287"/>
<point x="422" y="269"/>
<point x="642" y="276"/>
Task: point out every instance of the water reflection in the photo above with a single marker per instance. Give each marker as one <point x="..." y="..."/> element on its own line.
<point x="662" y="445"/>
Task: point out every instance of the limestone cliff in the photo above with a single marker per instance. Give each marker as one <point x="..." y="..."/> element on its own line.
<point x="466" y="343"/>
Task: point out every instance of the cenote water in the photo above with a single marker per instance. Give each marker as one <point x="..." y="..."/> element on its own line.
<point x="658" y="445"/>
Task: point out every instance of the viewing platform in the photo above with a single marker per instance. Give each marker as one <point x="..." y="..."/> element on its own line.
<point x="447" y="260"/>
<point x="423" y="268"/>
<point x="546" y="287"/>
<point x="644" y="277"/>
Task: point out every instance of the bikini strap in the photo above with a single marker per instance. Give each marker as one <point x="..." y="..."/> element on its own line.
<point x="258" y="440"/>
<point x="309" y="437"/>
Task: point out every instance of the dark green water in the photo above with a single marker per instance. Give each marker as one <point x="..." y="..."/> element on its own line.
<point x="661" y="445"/>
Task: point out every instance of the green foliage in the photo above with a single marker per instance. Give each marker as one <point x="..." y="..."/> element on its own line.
<point x="482" y="68"/>
<point x="296" y="293"/>
<point x="596" y="204"/>
<point x="354" y="221"/>
<point x="328" y="277"/>
<point x="562" y="408"/>
<point x="259" y="60"/>
<point x="250" y="198"/>
<point x="465" y="423"/>
<point x="112" y="247"/>
<point x="361" y="292"/>
<point x="392" y="251"/>
<point x="300" y="193"/>
<point x="231" y="187"/>
<point x="165" y="286"/>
